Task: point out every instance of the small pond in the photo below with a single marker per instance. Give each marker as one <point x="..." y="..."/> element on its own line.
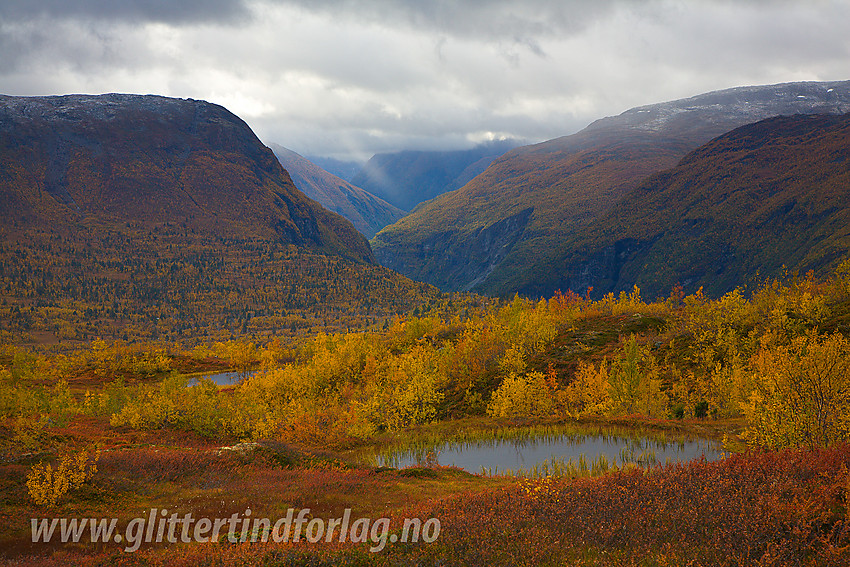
<point x="551" y="452"/>
<point x="223" y="378"/>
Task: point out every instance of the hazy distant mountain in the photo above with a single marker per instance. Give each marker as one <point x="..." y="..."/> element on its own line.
<point x="766" y="195"/>
<point x="408" y="178"/>
<point x="501" y="231"/>
<point x="368" y="213"/>
<point x="343" y="169"/>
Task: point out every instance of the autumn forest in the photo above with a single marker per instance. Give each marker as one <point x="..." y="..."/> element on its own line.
<point x="151" y="246"/>
<point x="761" y="371"/>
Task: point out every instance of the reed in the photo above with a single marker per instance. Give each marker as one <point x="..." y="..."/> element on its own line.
<point x="583" y="467"/>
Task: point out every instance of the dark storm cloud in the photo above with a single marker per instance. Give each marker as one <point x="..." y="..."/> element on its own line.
<point x="166" y="11"/>
<point x="476" y="18"/>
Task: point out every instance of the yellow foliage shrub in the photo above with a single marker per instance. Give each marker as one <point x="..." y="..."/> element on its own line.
<point x="801" y="393"/>
<point x="46" y="485"/>
<point x="588" y="393"/>
<point x="522" y="395"/>
<point x="61" y="404"/>
<point x="634" y="384"/>
<point x="198" y="408"/>
<point x="726" y="389"/>
<point x="406" y="392"/>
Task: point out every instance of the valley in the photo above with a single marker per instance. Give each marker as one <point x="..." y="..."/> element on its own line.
<point x="673" y="282"/>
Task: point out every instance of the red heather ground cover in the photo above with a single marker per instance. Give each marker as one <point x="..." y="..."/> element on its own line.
<point x="758" y="509"/>
<point x="785" y="508"/>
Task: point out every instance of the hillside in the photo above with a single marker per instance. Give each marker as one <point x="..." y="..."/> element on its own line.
<point x="502" y="231"/>
<point x="367" y="213"/>
<point x="408" y="178"/>
<point x="129" y="215"/>
<point x="118" y="158"/>
<point x="765" y="196"/>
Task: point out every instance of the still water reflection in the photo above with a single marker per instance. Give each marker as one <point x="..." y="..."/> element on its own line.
<point x="500" y="455"/>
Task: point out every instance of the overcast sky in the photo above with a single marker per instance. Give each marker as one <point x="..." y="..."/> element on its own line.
<point x="348" y="78"/>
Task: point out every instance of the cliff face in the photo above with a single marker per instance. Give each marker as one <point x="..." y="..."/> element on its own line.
<point x="149" y="159"/>
<point x="463" y="268"/>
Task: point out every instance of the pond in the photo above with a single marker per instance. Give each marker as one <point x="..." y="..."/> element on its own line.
<point x="550" y="452"/>
<point x="223" y="378"/>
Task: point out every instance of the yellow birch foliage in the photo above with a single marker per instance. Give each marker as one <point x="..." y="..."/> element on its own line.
<point x="414" y="390"/>
<point x="46" y="485"/>
<point x="634" y="382"/>
<point x="522" y="395"/>
<point x="588" y="393"/>
<point x="727" y="384"/>
<point x="801" y="393"/>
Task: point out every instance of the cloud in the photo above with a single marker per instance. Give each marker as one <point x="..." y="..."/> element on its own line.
<point x="164" y="11"/>
<point x="347" y="76"/>
<point x="478" y="19"/>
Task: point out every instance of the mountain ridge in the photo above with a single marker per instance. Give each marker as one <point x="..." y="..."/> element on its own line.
<point x="368" y="213"/>
<point x="163" y="158"/>
<point x="763" y="198"/>
<point x="569" y="182"/>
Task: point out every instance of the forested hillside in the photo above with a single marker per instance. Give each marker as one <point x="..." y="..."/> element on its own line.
<point x="143" y="216"/>
<point x="764" y="198"/>
<point x="490" y="235"/>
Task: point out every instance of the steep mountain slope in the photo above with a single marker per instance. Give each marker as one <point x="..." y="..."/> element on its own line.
<point x="368" y="213"/>
<point x="503" y="231"/>
<point x="125" y="215"/>
<point x="766" y="195"/>
<point x="148" y="158"/>
<point x="408" y="178"/>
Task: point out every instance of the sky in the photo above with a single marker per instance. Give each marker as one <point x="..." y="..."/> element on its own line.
<point x="350" y="78"/>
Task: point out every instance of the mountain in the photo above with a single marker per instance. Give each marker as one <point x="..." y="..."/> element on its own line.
<point x="118" y="158"/>
<point x="368" y="213"/>
<point x="763" y="198"/>
<point x="343" y="169"/>
<point x="505" y="230"/>
<point x="145" y="216"/>
<point x="408" y="178"/>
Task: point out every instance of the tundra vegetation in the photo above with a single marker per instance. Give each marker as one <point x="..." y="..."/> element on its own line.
<point x="114" y="428"/>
